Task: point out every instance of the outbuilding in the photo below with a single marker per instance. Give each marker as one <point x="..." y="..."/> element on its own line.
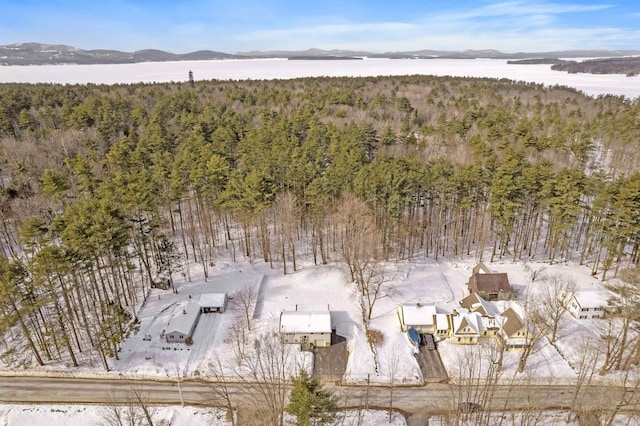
<point x="213" y="302"/>
<point x="488" y="284"/>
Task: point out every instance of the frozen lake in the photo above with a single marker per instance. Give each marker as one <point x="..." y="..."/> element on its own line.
<point x="258" y="69"/>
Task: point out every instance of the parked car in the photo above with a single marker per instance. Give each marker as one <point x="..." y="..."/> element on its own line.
<point x="429" y="342"/>
<point x="469" y="407"/>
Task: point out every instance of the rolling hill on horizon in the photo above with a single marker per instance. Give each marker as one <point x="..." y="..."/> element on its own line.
<point x="54" y="54"/>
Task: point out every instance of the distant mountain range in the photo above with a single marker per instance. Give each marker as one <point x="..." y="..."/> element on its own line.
<point x="46" y="54"/>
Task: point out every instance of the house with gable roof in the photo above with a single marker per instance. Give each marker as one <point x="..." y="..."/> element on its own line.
<point x="515" y="335"/>
<point x="587" y="304"/>
<point x="307" y="328"/>
<point x="487" y="324"/>
<point x="183" y="322"/>
<point x="474" y="303"/>
<point x="464" y="327"/>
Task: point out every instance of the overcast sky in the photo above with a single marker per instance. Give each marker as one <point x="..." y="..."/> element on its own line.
<point x="374" y="25"/>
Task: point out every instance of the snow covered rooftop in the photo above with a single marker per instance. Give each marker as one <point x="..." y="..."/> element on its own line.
<point x="474" y="303"/>
<point x="418" y="314"/>
<point x="305" y="322"/>
<point x="213" y="300"/>
<point x="185" y="315"/>
<point x="463" y="320"/>
<point x="591" y="298"/>
<point x="442" y="322"/>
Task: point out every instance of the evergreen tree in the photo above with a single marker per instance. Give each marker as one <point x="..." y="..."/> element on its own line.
<point x="311" y="404"/>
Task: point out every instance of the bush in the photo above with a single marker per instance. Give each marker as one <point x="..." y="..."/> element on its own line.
<point x="375" y="337"/>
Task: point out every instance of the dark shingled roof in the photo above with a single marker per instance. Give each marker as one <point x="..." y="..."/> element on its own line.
<point x="492" y="283"/>
<point x="513" y="323"/>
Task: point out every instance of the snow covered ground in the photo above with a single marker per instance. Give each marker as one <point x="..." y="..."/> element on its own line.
<point x="146" y="354"/>
<point x="90" y="415"/>
<point x="236" y="69"/>
<point x="440" y="283"/>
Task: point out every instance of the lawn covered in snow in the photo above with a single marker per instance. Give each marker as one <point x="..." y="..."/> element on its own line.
<point x="442" y="284"/>
<point x="91" y="415"/>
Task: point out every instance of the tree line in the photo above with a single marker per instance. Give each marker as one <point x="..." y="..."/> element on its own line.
<point x="104" y="190"/>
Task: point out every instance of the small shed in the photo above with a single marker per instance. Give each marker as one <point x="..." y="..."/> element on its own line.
<point x="308" y="328"/>
<point x="182" y="323"/>
<point x="420" y="317"/>
<point x="161" y="281"/>
<point x="213" y="302"/>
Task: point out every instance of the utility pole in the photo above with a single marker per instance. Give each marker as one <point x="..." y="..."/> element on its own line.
<point x="179" y="387"/>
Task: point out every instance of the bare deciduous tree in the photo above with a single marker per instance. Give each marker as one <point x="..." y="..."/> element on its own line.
<point x="550" y="299"/>
<point x="393" y="365"/>
<point x="134" y="411"/>
<point x="358" y="241"/>
<point x="244" y="300"/>
<point x="220" y="392"/>
<point x="265" y="372"/>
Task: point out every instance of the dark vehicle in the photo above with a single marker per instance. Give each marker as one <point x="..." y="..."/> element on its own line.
<point x="427" y="340"/>
<point x="469" y="407"/>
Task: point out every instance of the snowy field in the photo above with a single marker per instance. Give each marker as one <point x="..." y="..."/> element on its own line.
<point x="258" y="69"/>
<point x="440" y="283"/>
<point x="91" y="415"/>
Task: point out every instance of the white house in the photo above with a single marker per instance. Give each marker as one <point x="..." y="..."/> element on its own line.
<point x="419" y="316"/>
<point x="182" y="323"/>
<point x="587" y="304"/>
<point x="308" y="328"/>
<point x="213" y="302"/>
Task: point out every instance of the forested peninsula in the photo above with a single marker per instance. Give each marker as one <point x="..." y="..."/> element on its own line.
<point x="628" y="66"/>
<point x="105" y="188"/>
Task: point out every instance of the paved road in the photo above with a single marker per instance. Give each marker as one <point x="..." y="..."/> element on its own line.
<point x="432" y="398"/>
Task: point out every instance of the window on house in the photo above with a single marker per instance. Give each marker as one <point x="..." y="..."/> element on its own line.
<point x="583" y="317"/>
<point x="459" y="339"/>
<point x="585" y="309"/>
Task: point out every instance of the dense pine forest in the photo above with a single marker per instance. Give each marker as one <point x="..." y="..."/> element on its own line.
<point x="104" y="190"/>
